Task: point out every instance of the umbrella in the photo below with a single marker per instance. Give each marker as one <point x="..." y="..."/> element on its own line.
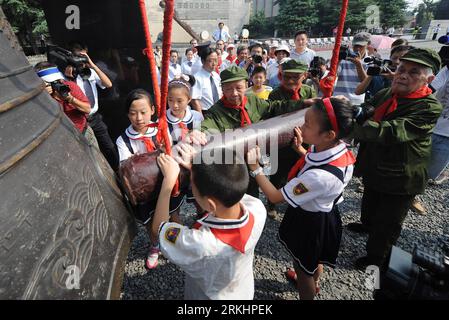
<point x="380" y="42"/>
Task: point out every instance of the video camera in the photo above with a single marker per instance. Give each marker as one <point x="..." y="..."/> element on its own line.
<point x="378" y="66"/>
<point x="424" y="274"/>
<point x="257" y="58"/>
<point x="63" y="58"/>
<point x="346" y="52"/>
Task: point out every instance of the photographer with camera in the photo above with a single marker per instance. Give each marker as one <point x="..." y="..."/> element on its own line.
<point x="88" y="76"/>
<point x="68" y="94"/>
<point x="351" y="69"/>
<point x="380" y="72"/>
<point x="254" y="60"/>
<point x="317" y="71"/>
<point x="396" y="127"/>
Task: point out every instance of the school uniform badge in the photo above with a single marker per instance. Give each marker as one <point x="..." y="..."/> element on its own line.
<point x="171" y="234"/>
<point x="299" y="189"/>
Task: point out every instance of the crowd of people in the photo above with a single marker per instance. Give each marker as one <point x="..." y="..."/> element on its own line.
<point x="393" y="118"/>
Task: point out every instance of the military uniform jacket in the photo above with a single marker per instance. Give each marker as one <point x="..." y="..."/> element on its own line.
<point x="395" y="152"/>
<point x="221" y="118"/>
<point x="306" y="92"/>
<point x="216" y="254"/>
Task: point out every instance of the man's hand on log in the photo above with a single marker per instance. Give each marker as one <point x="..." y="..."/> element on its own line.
<point x="252" y="158"/>
<point x="184" y="155"/>
<point x="196" y="137"/>
<point x="170" y="169"/>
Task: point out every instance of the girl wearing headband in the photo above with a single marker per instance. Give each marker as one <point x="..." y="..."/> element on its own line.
<point x="181" y="118"/>
<point x="311" y="229"/>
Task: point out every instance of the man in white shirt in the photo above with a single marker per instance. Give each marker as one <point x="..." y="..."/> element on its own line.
<point x="281" y="52"/>
<point x="88" y="84"/>
<point x="221" y="33"/>
<point x="301" y="52"/>
<point x="174" y="70"/>
<point x="221" y="45"/>
<point x="207" y="89"/>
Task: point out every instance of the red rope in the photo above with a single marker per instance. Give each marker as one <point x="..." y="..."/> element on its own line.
<point x="327" y="84"/>
<point x="166" y="47"/>
<point x="160" y="96"/>
<point x="148" y="51"/>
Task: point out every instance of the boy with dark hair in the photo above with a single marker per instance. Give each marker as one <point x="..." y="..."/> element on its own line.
<point x="259" y="89"/>
<point x="217" y="253"/>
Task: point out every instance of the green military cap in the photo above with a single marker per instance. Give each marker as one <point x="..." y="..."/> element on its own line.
<point x="233" y="73"/>
<point x="294" y="66"/>
<point x="426" y="57"/>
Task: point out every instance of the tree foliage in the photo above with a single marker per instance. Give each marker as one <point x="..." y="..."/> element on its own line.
<point x="321" y="16"/>
<point x="26" y="18"/>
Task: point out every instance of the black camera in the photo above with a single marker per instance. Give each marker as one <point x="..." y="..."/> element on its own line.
<point x="315" y="67"/>
<point x="424" y="274"/>
<point x="61" y="88"/>
<point x="345" y="52"/>
<point x="63" y="58"/>
<point x="378" y="66"/>
<point x="257" y="58"/>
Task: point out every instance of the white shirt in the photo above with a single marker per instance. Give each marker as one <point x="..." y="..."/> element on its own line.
<point x="95" y="81"/>
<point x="202" y="89"/>
<point x="197" y="66"/>
<point x="215" y="270"/>
<point x="272" y="69"/>
<point x="441" y="85"/>
<point x="138" y="146"/>
<point x="322" y="186"/>
<point x="185" y="68"/>
<point x="174" y="70"/>
<point x="305" y="57"/>
<point x="224" y="35"/>
<point x="224" y="55"/>
<point x="191" y="119"/>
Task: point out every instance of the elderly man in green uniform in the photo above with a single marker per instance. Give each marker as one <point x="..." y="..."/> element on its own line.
<point x="397" y="143"/>
<point x="235" y="110"/>
<point x="291" y="88"/>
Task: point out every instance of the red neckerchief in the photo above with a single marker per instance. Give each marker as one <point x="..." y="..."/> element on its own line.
<point x="391" y="104"/>
<point x="237" y="62"/>
<point x="149" y="144"/>
<point x="236" y="237"/>
<point x="184" y="129"/>
<point x="231" y="58"/>
<point x="345" y="160"/>
<point x="244" y="117"/>
<point x="294" y="94"/>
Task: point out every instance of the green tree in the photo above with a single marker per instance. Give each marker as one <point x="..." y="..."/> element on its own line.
<point x="425" y="12"/>
<point x="260" y="26"/>
<point x="296" y="15"/>
<point x="392" y="12"/>
<point x="27" y="20"/>
<point x="441" y="11"/>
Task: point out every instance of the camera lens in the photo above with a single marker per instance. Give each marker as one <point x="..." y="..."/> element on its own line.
<point x="257" y="59"/>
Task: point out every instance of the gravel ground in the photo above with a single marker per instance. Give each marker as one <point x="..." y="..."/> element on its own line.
<point x="271" y="259"/>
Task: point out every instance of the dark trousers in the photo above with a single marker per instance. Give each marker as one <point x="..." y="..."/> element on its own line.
<point x="107" y="147"/>
<point x="383" y="214"/>
<point x="434" y="36"/>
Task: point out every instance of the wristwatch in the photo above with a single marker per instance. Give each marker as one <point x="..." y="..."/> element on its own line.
<point x="256" y="172"/>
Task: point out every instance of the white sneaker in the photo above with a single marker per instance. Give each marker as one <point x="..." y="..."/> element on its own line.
<point x="153" y="258"/>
